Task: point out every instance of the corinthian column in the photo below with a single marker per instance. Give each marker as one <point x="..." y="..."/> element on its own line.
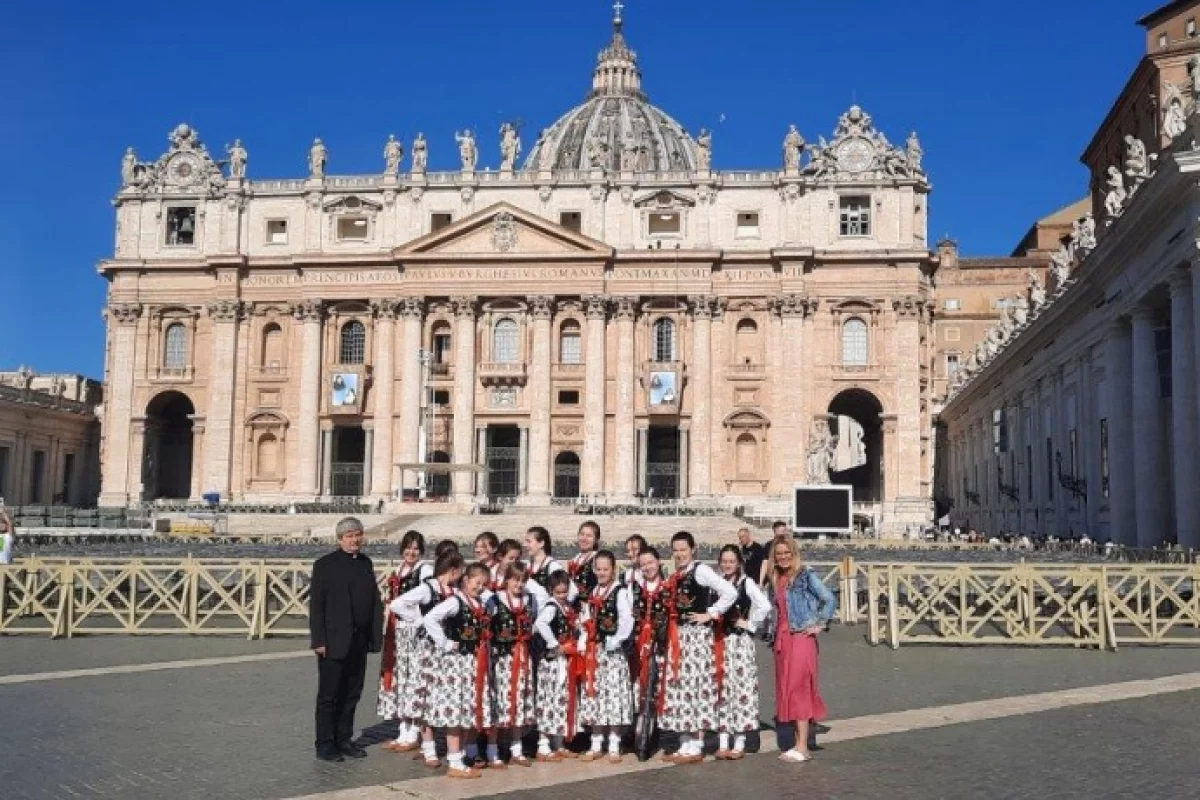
<point x="310" y="314"/>
<point x="700" y="380"/>
<point x="594" y="379"/>
<point x="410" y="381"/>
<point x="118" y="411"/>
<point x="538" y="481"/>
<point x="1147" y="433"/>
<point x="625" y="478"/>
<point x="383" y="384"/>
<point x="222" y="374"/>
<point x="464" y="395"/>
<point x="1183" y="412"/>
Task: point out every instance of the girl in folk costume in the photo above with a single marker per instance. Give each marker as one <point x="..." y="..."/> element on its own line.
<point x="581" y="566"/>
<point x="513" y="616"/>
<point x="411" y="608"/>
<point x="737" y="708"/>
<point x="461" y="630"/>
<point x="509" y="553"/>
<point x="487" y="547"/>
<point x="634" y="545"/>
<point x="542" y="566"/>
<point x="606" y="702"/>
<point x="557" y="694"/>
<point x="400" y="663"/>
<point x="698" y="597"/>
<point x="650" y="618"/>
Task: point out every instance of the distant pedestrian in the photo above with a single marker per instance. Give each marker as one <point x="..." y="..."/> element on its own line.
<point x="345" y="622"/>
<point x="8" y="537"/>
<point x="801" y="606"/>
<point x="779" y="530"/>
<point x="753" y="554"/>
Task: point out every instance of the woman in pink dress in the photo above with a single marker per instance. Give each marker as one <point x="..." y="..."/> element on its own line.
<point x="801" y="606"/>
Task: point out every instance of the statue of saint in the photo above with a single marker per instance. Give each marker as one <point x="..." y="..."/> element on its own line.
<point x="129" y="167"/>
<point x="596" y="149"/>
<point x="237" y="159"/>
<point x="704" y="150"/>
<point x="1136" y="166"/>
<point x="1114" y="201"/>
<point x="1037" y="292"/>
<point x="1085" y="233"/>
<point x="1060" y="266"/>
<point x="793" y="146"/>
<point x="1020" y="311"/>
<point x="317" y="156"/>
<point x="510" y="147"/>
<point x="819" y="160"/>
<point x="914" y="154"/>
<point x="467" y="151"/>
<point x="629" y="151"/>
<point x="1174" y="115"/>
<point x="821" y="447"/>
<point x="419" y="154"/>
<point x="393" y="151"/>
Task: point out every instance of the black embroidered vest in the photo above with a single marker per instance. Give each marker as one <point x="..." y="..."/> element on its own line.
<point x="690" y="596"/>
<point x="466" y="627"/>
<point x="606" y="614"/>
<point x="509" y="626"/>
<point x="585" y="579"/>
<point x="543" y="573"/>
<point x="738" y="611"/>
<point x="657" y="608"/>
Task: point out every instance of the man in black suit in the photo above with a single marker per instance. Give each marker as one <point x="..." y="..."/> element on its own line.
<point x="345" y="620"/>
<point x="753" y="554"/>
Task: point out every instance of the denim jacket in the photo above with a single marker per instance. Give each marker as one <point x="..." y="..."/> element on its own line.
<point x="809" y="602"/>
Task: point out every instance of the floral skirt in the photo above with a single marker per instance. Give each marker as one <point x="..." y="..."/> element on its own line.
<point x="405" y="699"/>
<point x="501" y="694"/>
<point x="553" y="690"/>
<point x="613" y="701"/>
<point x="691" y="701"/>
<point x="737" y="710"/>
<point x="453" y="700"/>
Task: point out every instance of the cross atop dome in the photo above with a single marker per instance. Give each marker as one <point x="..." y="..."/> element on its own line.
<point x="618" y="7"/>
<point x="617" y="71"/>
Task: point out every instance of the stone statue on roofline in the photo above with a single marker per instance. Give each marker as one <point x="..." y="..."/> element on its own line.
<point x="510" y="146"/>
<point x="129" y="167"/>
<point x="793" y="146"/>
<point x="468" y="154"/>
<point x="393" y="152"/>
<point x="1174" y="113"/>
<point x="238" y="157"/>
<point x="420" y="154"/>
<point x="317" y="157"/>
<point x="1060" y="265"/>
<point x="1020" y="311"/>
<point x="1114" y="200"/>
<point x="704" y="150"/>
<point x="914" y="154"/>
<point x="1137" y="167"/>
<point x="1037" y="292"/>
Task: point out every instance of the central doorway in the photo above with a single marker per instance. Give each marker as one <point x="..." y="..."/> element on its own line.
<point x="662" y="463"/>
<point x="503" y="460"/>
<point x="349" y="456"/>
<point x="566" y="475"/>
<point x="854" y="419"/>
<point x="167" y="450"/>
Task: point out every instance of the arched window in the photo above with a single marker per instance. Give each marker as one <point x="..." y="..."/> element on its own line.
<point x="854" y="343"/>
<point x="268" y="456"/>
<point x="570" y="345"/>
<point x="664" y="340"/>
<point x="746" y="343"/>
<point x="441" y="343"/>
<point x="747" y="456"/>
<point x="272" y="348"/>
<point x="175" y="347"/>
<point x="354" y="343"/>
<point x="504" y="341"/>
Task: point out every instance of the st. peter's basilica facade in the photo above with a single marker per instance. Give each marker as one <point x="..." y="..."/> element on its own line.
<point x="610" y="317"/>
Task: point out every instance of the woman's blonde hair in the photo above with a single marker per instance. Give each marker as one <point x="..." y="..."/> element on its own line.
<point x="797" y="564"/>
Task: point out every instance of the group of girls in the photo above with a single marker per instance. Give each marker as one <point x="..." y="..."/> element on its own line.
<point x="505" y="644"/>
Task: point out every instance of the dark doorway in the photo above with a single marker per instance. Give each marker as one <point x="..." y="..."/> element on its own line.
<point x="349" y="455"/>
<point x="867" y="478"/>
<point x="566" y="475"/>
<point x="167" y="450"/>
<point x="662" y="463"/>
<point x="437" y="484"/>
<point x="503" y="460"/>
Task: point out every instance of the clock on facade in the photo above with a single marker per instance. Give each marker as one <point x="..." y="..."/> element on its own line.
<point x="855" y="155"/>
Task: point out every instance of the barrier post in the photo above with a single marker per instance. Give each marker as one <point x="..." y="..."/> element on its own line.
<point x="872" y="607"/>
<point x="258" y="620"/>
<point x="192" y="570"/>
<point x="893" y="608"/>
<point x="1108" y="632"/>
<point x="66" y="591"/>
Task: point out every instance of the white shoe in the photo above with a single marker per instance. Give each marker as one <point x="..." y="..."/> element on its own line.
<point x="794" y="756"/>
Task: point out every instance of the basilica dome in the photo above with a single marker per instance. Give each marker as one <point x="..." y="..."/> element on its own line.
<point x="616" y="128"/>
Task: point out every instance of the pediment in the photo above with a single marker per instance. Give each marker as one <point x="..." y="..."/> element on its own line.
<point x="503" y="232"/>
<point x="664" y="198"/>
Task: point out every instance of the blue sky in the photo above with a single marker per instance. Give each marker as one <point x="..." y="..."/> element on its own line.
<point x="1004" y="96"/>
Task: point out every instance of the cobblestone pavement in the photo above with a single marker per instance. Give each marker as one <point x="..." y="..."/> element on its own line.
<point x="245" y="729"/>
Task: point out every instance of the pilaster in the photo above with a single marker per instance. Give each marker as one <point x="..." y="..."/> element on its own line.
<point x="464" y="395"/>
<point x="118" y="460"/>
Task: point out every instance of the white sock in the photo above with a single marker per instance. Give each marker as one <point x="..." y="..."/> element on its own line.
<point x="543" y="745"/>
<point x="739" y="742"/>
<point x="597" y="742"/>
<point x="515" y="751"/>
<point x="456" y="760"/>
<point x="493" y="752"/>
<point x="429" y="749"/>
<point x="472" y="751"/>
<point x="695" y="745"/>
<point x="614" y="743"/>
<point x="724" y="741"/>
<point x="685" y="743"/>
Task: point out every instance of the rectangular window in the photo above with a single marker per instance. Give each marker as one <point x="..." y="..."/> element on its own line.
<point x="747" y="225"/>
<point x="571" y="220"/>
<point x="664" y="223"/>
<point x="1190" y="27"/>
<point x="1162" y="40"/>
<point x="1104" y="456"/>
<point x="277" y="231"/>
<point x="571" y="347"/>
<point x="181" y="225"/>
<point x="953" y="334"/>
<point x="1051" y="469"/>
<point x="352" y="229"/>
<point x="952" y="304"/>
<point x="568" y="398"/>
<point x="68" y="470"/>
<point x="855" y="218"/>
<point x="37" y="478"/>
<point x="441" y="348"/>
<point x="951" y="364"/>
<point x="439" y="220"/>
<point x="999" y="431"/>
<point x="441" y="397"/>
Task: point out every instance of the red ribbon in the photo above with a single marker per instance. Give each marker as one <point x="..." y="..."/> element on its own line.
<point x="591" y="656"/>
<point x="388" y="656"/>
<point x="482" y="649"/>
<point x="520" y="659"/>
<point x="645" y="643"/>
<point x="575" y="670"/>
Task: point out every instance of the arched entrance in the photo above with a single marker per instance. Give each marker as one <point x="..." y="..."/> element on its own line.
<point x="854" y="419"/>
<point x="167" y="448"/>
<point x="566" y="475"/>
